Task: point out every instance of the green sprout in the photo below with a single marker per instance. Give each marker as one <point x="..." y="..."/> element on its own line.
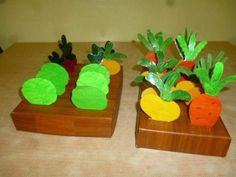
<point x="155" y="42"/>
<point x="66" y="48"/>
<point x="187" y="46"/>
<point x="55" y="58"/>
<point x="165" y="87"/>
<point x="98" y="53"/>
<point x="210" y="74"/>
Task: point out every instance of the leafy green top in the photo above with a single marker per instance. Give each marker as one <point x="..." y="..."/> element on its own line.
<point x="187" y="46"/>
<point x="55" y="58"/>
<point x="66" y="48"/>
<point x="210" y="73"/>
<point x="165" y="87"/>
<point x="107" y="52"/>
<point x="155" y="42"/>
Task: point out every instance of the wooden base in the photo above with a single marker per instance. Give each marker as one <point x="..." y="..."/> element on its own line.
<point x="63" y="118"/>
<point x="180" y="135"/>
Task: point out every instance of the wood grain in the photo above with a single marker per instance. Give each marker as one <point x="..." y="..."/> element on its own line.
<point x="180" y="135"/>
<point x="63" y="118"/>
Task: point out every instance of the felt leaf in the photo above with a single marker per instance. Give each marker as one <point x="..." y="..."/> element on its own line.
<point x="198" y="49"/>
<point x="108" y="48"/>
<point x="224" y="82"/>
<point x="96" y="58"/>
<point x="117" y="55"/>
<point x="209" y="61"/>
<point x="90" y="98"/>
<point x="183" y="70"/>
<point x="182" y="43"/>
<point x="217" y="72"/>
<point x="192" y="42"/>
<point x="172" y="79"/>
<point x="145" y="63"/>
<point x="39" y="91"/>
<point x="139" y="79"/>
<point x="94" y="49"/>
<point x="221" y="57"/>
<point x="154" y="80"/>
<point x="171" y="63"/>
<point x="94" y="79"/>
<point x="167" y="42"/>
<point x="152" y="39"/>
<point x="180" y="95"/>
<point x="145" y="42"/>
<point x="202" y="75"/>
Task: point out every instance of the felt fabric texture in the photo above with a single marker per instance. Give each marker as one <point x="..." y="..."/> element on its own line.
<point x="30" y="154"/>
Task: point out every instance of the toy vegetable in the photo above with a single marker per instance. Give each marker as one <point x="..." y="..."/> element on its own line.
<point x="67" y="59"/>
<point x="189" y="50"/>
<point x="92" y="87"/>
<point x="163" y="107"/>
<point x="106" y="56"/>
<point x="205" y="109"/>
<point x="155" y="44"/>
<point x="49" y="83"/>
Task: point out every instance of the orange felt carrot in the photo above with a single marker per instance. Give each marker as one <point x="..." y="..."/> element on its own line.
<point x="205" y="110"/>
<point x="151" y="55"/>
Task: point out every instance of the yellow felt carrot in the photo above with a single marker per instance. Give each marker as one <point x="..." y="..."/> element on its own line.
<point x="163" y="107"/>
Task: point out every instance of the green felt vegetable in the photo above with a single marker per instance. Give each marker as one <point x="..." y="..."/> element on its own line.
<point x="165" y="87"/>
<point x="188" y="48"/>
<point x="88" y="97"/>
<point x="98" y="68"/>
<point x="39" y="91"/>
<point x="210" y="73"/>
<point x="56" y="74"/>
<point x="94" y="79"/>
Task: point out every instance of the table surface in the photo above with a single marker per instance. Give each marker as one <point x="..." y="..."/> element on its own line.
<point x="32" y="154"/>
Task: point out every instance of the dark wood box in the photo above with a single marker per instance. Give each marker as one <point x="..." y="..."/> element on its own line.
<point x="63" y="118"/>
<point x="180" y="135"/>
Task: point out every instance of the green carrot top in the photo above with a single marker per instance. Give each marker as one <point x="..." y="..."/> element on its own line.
<point x="107" y="52"/>
<point x="165" y="87"/>
<point x="210" y="72"/>
<point x="187" y="46"/>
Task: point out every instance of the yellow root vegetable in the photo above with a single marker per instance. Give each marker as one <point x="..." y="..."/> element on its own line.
<point x="112" y="66"/>
<point x="158" y="109"/>
<point x="148" y="91"/>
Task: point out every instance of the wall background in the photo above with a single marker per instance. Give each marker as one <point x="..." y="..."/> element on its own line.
<point x="117" y="20"/>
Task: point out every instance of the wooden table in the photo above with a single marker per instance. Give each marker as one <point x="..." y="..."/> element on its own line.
<point x="32" y="154"/>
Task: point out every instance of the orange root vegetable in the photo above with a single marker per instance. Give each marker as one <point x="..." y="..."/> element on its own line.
<point x="188" y="64"/>
<point x="151" y="55"/>
<point x="205" y="110"/>
<point x="112" y="66"/>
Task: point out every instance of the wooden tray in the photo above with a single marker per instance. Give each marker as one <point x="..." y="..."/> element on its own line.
<point x="180" y="135"/>
<point x="63" y="118"/>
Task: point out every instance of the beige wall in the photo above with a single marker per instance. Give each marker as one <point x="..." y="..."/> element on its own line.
<point x="117" y="20"/>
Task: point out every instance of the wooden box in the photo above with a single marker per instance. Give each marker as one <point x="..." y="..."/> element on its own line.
<point x="180" y="135"/>
<point x="63" y="118"/>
